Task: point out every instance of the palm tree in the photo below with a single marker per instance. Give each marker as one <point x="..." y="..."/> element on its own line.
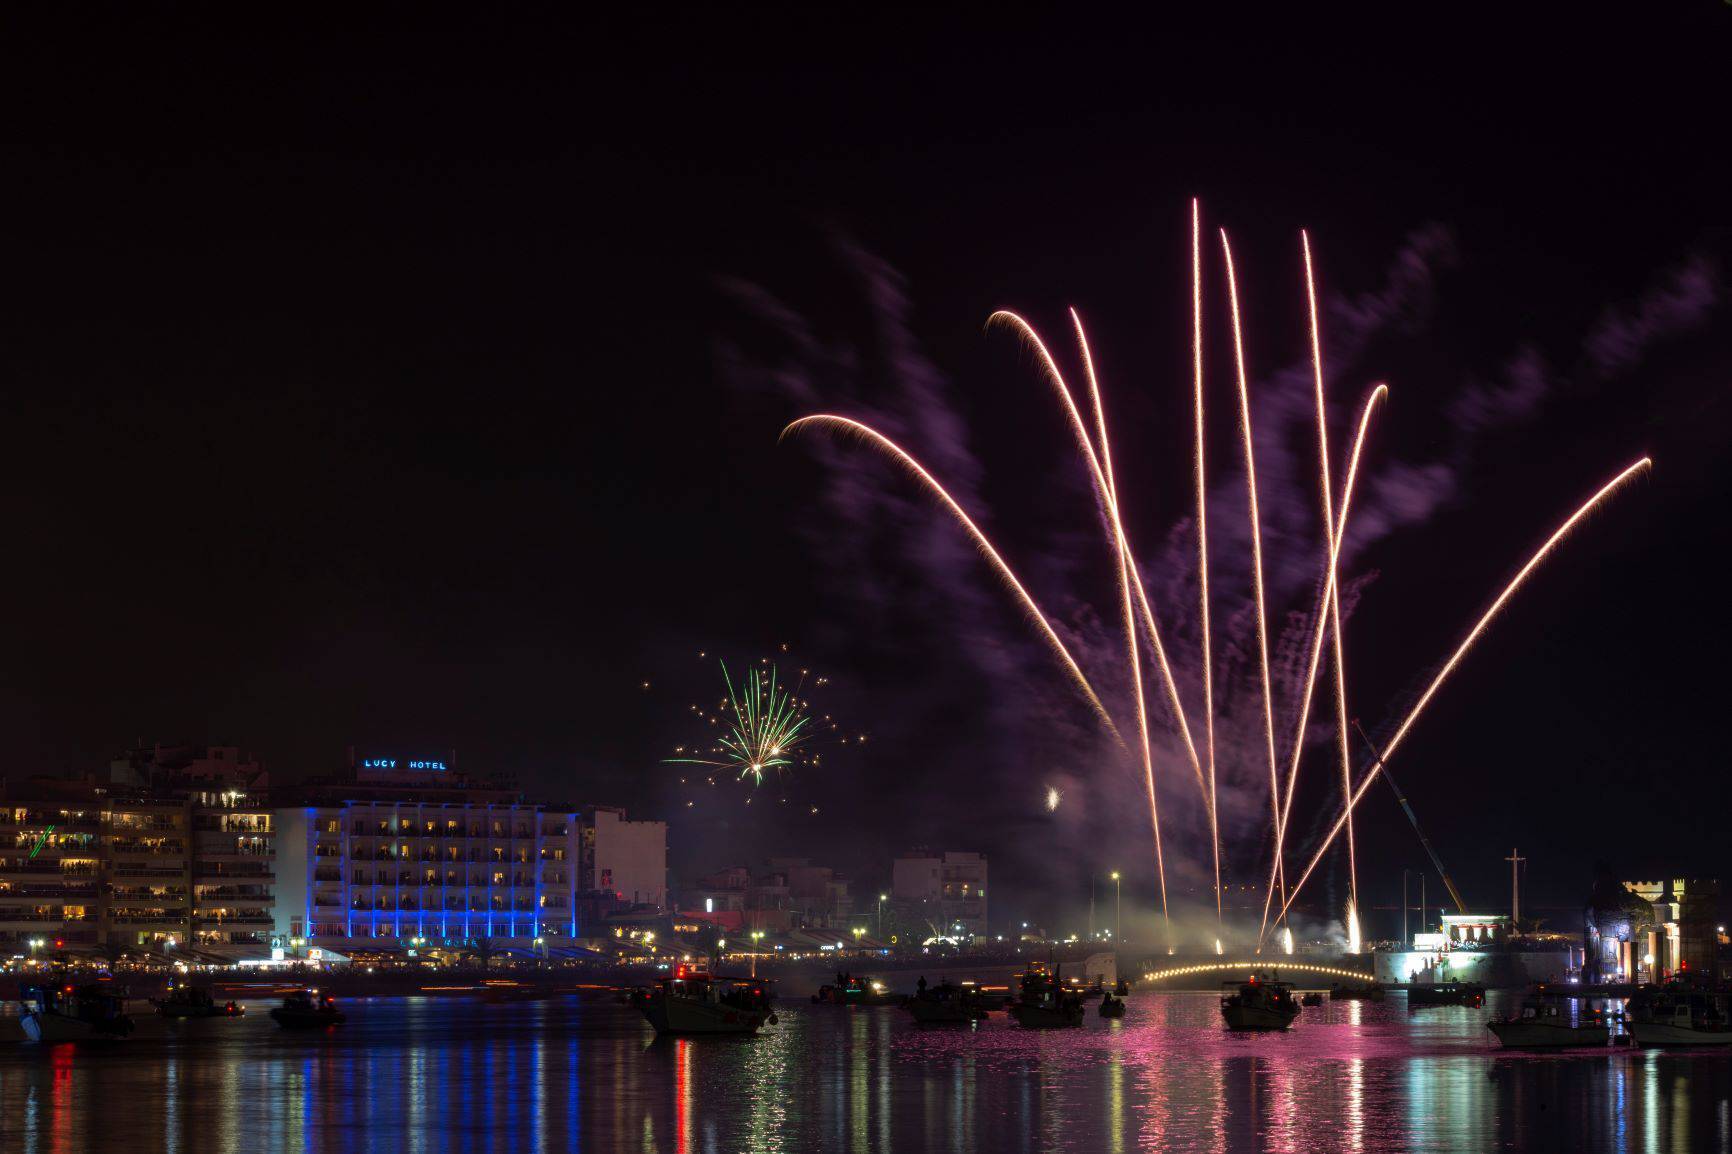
<point x="482" y="950"/>
<point x="112" y="952"/>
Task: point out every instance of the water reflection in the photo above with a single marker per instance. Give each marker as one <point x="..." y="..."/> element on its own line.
<point x="431" y="1076"/>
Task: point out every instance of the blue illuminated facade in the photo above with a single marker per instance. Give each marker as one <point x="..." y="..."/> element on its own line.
<point x="381" y="872"/>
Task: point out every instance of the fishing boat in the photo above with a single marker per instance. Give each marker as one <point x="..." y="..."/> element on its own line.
<point x="1446" y="994"/>
<point x="194" y="1002"/>
<point x="699" y="1002"/>
<point x="66" y="1013"/>
<point x="945" y="1004"/>
<point x="1112" y="1006"/>
<point x="1045" y="1002"/>
<point x="1258" y="1005"/>
<point x="1357" y="992"/>
<point x="1542" y="1024"/>
<point x="1680" y="1016"/>
<point x="308" y="1010"/>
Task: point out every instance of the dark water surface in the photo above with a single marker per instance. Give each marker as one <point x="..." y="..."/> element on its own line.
<point x="430" y="1075"/>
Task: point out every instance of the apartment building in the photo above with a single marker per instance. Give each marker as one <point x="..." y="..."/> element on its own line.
<point x="171" y="852"/>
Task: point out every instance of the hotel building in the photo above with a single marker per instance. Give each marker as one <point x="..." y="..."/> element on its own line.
<point x="398" y="852"/>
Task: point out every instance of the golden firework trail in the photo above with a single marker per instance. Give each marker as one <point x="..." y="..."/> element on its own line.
<point x="1449" y="666"/>
<point x="1340" y="531"/>
<point x="904" y="458"/>
<point x="1256" y="539"/>
<point x="1130" y="616"/>
<point x="1334" y="595"/>
<point x="1203" y="535"/>
<point x="1106" y="494"/>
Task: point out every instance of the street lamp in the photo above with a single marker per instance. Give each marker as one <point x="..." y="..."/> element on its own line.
<point x="757" y="936"/>
<point x="882" y="898"/>
<point x="1118" y="930"/>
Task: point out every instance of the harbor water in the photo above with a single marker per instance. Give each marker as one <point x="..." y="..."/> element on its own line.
<point x="424" y="1074"/>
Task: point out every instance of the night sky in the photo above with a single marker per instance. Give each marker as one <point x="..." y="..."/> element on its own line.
<point x="419" y="389"/>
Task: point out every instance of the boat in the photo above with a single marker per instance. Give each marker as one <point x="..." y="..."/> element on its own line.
<point x="1045" y="1002"/>
<point x="945" y="1004"/>
<point x="1311" y="998"/>
<point x="67" y="1013"/>
<point x="698" y="1002"/>
<point x="1446" y="994"/>
<point x="1088" y="993"/>
<point x="850" y="990"/>
<point x="1258" y="1005"/>
<point x="1112" y="1006"/>
<point x="1675" y="1015"/>
<point x="1543" y="1024"/>
<point x="990" y="997"/>
<point x="308" y="1010"/>
<point x="194" y="1002"/>
<point x="1357" y="992"/>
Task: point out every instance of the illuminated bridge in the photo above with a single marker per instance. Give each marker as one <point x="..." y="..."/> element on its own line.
<point x="1208" y="973"/>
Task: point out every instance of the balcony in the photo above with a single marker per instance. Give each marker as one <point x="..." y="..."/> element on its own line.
<point x="38" y="868"/>
<point x="127" y="847"/>
<point x="208" y="920"/>
<point x="145" y="871"/>
<point x="168" y="919"/>
<point x="18" y="919"/>
<point x="84" y="890"/>
<point x="213" y="873"/>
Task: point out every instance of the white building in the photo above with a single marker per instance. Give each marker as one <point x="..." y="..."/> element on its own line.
<point x="628" y="859"/>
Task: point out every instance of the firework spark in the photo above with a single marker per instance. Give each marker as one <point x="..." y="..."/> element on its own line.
<point x="765" y="728"/>
<point x="1449" y="666"/>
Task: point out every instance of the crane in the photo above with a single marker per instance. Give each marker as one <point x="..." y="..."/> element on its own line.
<point x="1377" y="754"/>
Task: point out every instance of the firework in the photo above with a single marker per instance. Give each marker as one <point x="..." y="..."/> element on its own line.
<point x="1107" y="495"/>
<point x="1135" y="607"/>
<point x="1467" y="643"/>
<point x="1339" y="532"/>
<point x="1054" y="795"/>
<point x="1256" y="540"/>
<point x="1334" y="595"/>
<point x="903" y="457"/>
<point x="764" y="726"/>
<point x="1203" y="535"/>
